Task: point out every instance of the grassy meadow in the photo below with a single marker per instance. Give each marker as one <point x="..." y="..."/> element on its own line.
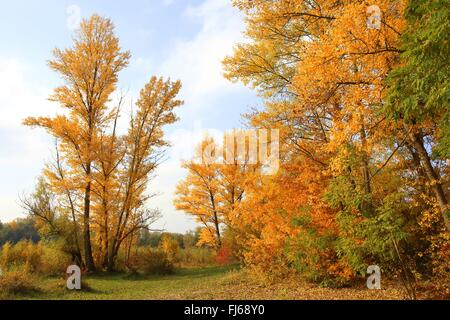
<point x="208" y="283"/>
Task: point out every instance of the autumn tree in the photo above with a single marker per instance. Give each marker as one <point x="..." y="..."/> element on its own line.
<point x="216" y="182"/>
<point x="320" y="67"/>
<point x="198" y="193"/>
<point x="99" y="176"/>
<point x="143" y="150"/>
<point x="90" y="71"/>
<point x="419" y="90"/>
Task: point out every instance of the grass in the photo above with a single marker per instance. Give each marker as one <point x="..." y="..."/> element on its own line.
<point x="223" y="282"/>
<point x="183" y="284"/>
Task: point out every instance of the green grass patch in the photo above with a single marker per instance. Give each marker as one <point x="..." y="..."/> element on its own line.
<point x="183" y="284"/>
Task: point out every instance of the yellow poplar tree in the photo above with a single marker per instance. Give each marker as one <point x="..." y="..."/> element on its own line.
<point x="90" y="70"/>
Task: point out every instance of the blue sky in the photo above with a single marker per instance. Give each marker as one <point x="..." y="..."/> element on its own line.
<point x="181" y="39"/>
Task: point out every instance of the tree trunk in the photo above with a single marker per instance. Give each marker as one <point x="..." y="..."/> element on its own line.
<point x="432" y="175"/>
<point x="365" y="162"/>
<point x="78" y="255"/>
<point x="112" y="253"/>
<point x="86" y="224"/>
<point x="129" y="251"/>
<point x="367" y="205"/>
<point x="105" y="245"/>
<point x="216" y="221"/>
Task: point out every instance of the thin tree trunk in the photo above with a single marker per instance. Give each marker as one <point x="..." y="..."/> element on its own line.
<point x="216" y="221"/>
<point x="408" y="279"/>
<point x="105" y="244"/>
<point x="432" y="175"/>
<point x="367" y="204"/>
<point x="78" y="256"/>
<point x="129" y="251"/>
<point x="113" y="251"/>
<point x="76" y="240"/>
<point x="86" y="224"/>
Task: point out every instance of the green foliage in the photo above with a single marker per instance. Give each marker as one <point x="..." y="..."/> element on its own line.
<point x="190" y="239"/>
<point x="390" y="237"/>
<point x="382" y="237"/>
<point x="196" y="257"/>
<point x="308" y="257"/>
<point x="313" y="254"/>
<point x="443" y="148"/>
<point x="20" y="229"/>
<point x="371" y="240"/>
<point x="419" y="90"/>
<point x="153" y="239"/>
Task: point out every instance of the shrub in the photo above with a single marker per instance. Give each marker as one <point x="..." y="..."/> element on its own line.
<point x="237" y="277"/>
<point x="45" y="259"/>
<point x="314" y="255"/>
<point x="170" y="247"/>
<point x="54" y="261"/>
<point x="17" y="282"/>
<point x="24" y="253"/>
<point x="154" y="261"/>
<point x="196" y="257"/>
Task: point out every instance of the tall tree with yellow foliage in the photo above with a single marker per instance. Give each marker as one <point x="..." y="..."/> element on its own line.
<point x="90" y="71"/>
<point x="143" y="150"/>
<point x="101" y="174"/>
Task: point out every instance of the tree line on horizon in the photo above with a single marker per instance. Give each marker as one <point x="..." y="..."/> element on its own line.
<point x="24" y="229"/>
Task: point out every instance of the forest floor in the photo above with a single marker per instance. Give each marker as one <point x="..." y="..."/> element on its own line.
<point x="225" y="282"/>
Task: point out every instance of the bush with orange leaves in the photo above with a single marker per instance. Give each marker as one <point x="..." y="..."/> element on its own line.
<point x="264" y="222"/>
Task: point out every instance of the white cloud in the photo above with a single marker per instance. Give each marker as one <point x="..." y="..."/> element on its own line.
<point x="9" y="209"/>
<point x="197" y="61"/>
<point x="184" y="140"/>
<point x="22" y="150"/>
<point x="19" y="99"/>
<point x="168" y="175"/>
